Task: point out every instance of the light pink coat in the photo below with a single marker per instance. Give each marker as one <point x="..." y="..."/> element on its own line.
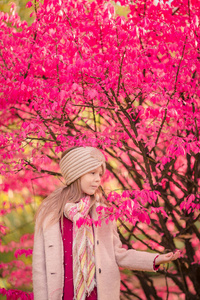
<point x="48" y="269"/>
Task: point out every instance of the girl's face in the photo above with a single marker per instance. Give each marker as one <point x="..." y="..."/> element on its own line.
<point x="91" y="181"/>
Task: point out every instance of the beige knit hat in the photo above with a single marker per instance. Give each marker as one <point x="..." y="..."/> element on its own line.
<point x="80" y="161"/>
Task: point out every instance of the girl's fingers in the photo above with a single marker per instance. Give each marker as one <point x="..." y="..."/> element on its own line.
<point x="177" y="254"/>
<point x="173" y="256"/>
<point x="165" y="258"/>
<point x="169" y="254"/>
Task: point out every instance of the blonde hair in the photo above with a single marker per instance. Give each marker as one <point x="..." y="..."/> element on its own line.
<point x="54" y="204"/>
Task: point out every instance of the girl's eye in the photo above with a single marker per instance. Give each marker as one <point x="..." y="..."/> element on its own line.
<point x="93" y="173"/>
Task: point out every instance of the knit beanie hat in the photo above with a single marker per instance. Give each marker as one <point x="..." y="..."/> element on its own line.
<point x="80" y="161"/>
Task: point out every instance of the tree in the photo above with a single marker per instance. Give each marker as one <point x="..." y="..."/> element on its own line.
<point x="82" y="75"/>
<point x="19" y="8"/>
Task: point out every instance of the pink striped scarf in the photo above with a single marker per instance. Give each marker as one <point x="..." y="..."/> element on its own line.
<point x="83" y="249"/>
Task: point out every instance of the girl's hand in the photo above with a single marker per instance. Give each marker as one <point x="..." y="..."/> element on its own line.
<point x="166" y="258"/>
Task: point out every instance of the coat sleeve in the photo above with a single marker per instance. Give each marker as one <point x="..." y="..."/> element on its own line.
<point x="132" y="259"/>
<point x="39" y="267"/>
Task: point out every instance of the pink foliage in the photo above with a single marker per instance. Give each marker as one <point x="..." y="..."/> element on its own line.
<point x="82" y="75"/>
<point x="15" y="294"/>
<point x="19" y="273"/>
<point x="26" y="241"/>
<point x="20" y="252"/>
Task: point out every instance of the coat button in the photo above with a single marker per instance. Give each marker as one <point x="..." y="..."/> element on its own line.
<point x="97" y="242"/>
<point x="99" y="270"/>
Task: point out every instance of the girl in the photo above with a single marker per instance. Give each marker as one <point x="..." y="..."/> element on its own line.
<point x="71" y="262"/>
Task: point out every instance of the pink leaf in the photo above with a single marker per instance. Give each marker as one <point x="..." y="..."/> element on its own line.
<point x="29" y="4"/>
